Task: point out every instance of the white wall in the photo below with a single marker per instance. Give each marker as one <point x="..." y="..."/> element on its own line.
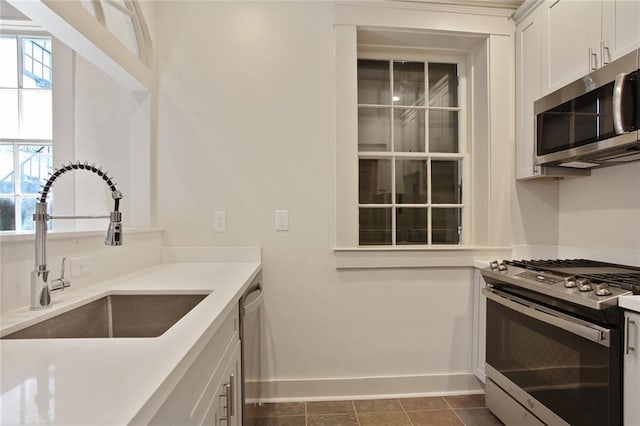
<point x="17" y="259"/>
<point x="244" y="125"/>
<point x="599" y="215"/>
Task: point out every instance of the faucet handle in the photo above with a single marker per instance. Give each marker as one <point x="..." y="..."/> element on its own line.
<point x="61" y="283"/>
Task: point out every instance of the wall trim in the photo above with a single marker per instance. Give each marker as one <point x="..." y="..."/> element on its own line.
<point x="370" y="387"/>
<point x="416" y="257"/>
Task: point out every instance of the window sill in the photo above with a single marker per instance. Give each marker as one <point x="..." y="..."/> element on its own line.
<point x="416" y="257"/>
<point x="7" y="237"/>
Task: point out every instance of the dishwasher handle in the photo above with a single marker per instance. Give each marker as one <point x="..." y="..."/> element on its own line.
<point x="252" y="300"/>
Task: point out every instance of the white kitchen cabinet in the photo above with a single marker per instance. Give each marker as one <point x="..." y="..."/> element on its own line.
<point x="228" y="395"/>
<point x="202" y="391"/>
<point x="573" y="36"/>
<point x="631" y="347"/>
<point x="479" y="322"/>
<point x="584" y="35"/>
<point x="620" y="29"/>
<point x="528" y="71"/>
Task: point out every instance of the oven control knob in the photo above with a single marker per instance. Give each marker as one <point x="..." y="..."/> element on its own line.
<point x="584" y="284"/>
<point x="570" y="282"/>
<point x="494" y="265"/>
<point x="602" y="289"/>
<point x="502" y="267"/>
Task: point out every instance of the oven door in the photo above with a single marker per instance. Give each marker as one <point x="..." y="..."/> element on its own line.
<point x="562" y="369"/>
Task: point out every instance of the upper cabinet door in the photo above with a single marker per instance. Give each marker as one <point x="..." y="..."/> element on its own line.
<point x="620" y="29"/>
<point x="574" y="33"/>
<point x="529" y="41"/>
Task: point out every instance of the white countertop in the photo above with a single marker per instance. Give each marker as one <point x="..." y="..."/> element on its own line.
<point x="630" y="302"/>
<point x="109" y="381"/>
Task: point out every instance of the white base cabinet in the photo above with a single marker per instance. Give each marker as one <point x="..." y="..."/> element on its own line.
<point x="631" y="348"/>
<point x="210" y="390"/>
<point x="479" y="323"/>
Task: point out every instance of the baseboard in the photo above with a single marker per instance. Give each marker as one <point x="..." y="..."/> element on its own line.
<point x="369" y="388"/>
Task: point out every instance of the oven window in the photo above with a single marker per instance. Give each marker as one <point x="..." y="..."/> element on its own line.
<point x="569" y="374"/>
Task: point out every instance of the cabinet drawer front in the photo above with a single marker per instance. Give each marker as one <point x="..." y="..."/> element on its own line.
<point x="184" y="404"/>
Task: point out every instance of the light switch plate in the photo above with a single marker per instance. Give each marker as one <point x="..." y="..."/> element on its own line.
<point x="219" y="221"/>
<point x="282" y="220"/>
<point x="81" y="265"/>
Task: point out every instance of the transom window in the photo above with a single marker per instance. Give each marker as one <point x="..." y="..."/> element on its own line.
<point x="26" y="155"/>
<point x="410" y="153"/>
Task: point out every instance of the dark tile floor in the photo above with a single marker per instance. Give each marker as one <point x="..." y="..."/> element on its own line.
<point x="460" y="410"/>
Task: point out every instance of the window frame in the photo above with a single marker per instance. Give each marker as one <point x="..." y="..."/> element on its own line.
<point x="16" y="142"/>
<point x="463" y="156"/>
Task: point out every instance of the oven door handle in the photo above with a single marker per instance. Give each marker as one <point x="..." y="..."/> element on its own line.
<point x="575" y="326"/>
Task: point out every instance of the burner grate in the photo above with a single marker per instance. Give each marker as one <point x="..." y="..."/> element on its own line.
<point x="628" y="278"/>
<point x="627" y="281"/>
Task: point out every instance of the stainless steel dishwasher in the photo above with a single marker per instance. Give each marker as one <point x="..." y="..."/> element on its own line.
<point x="250" y="338"/>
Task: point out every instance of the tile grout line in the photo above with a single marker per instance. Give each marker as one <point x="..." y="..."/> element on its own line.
<point x="405" y="412"/>
<point x="454" y="411"/>
<point x="353" y="404"/>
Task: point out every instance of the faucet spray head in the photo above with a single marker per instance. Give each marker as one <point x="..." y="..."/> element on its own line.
<point x="114" y="231"/>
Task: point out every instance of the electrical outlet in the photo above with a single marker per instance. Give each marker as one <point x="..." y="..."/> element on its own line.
<point x="80" y="265"/>
<point x="282" y="220"/>
<point x="219" y="221"/>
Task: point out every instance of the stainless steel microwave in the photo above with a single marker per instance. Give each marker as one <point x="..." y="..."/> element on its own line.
<point x="594" y="121"/>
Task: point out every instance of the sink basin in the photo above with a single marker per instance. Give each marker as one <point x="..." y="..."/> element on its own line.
<point x="115" y="316"/>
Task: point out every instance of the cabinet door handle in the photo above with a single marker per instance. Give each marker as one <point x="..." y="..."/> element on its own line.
<point x="231" y="396"/>
<point x="605" y="53"/>
<point x="593" y="60"/>
<point x="627" y="323"/>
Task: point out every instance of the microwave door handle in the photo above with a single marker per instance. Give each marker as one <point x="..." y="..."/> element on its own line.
<point x="618" y="125"/>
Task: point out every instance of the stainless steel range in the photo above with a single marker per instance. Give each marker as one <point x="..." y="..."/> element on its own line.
<point x="554" y="352"/>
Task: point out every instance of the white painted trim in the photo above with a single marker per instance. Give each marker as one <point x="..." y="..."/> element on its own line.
<point x="523" y="11"/>
<point x="337" y="389"/>
<point x="74" y="25"/>
<point x="416" y="257"/>
<point x="211" y="254"/>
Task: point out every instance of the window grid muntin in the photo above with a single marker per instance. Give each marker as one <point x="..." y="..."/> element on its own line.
<point x="17" y="195"/>
<point x="460" y="156"/>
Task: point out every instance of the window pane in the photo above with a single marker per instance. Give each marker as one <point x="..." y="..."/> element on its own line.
<point x="374" y="82"/>
<point x="36" y="121"/>
<point x="8" y="113"/>
<point x="445" y="186"/>
<point x="7" y="176"/>
<point x="443" y="85"/>
<point x="27" y="209"/>
<point x="36" y="63"/>
<point x="408" y="130"/>
<point x="9" y="61"/>
<point x="411" y="226"/>
<point x="443" y="131"/>
<point x="375" y="226"/>
<point x="121" y="26"/>
<point x="374" y="129"/>
<point x="375" y="181"/>
<point x="36" y="161"/>
<point x="408" y="83"/>
<point x="445" y="226"/>
<point x="411" y="181"/>
<point x="7" y="214"/>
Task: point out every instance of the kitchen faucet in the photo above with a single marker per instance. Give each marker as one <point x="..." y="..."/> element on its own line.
<point x="40" y="288"/>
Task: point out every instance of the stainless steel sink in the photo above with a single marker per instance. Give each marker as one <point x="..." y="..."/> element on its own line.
<point x="115" y="316"/>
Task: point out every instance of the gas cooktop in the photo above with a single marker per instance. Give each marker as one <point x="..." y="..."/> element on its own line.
<point x="589" y="283"/>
